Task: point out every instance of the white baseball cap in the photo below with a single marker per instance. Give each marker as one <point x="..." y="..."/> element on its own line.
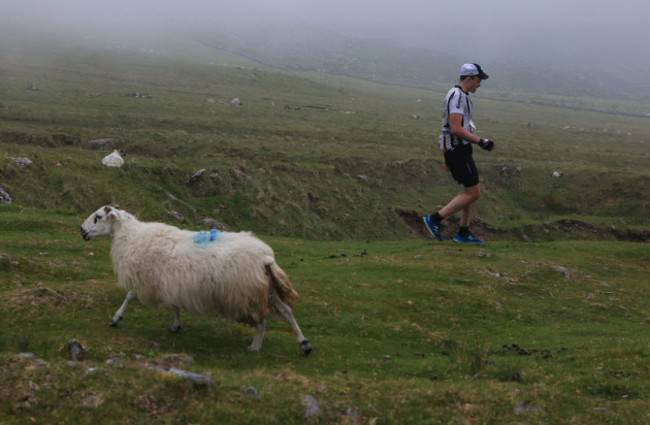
<point x="473" y="69"/>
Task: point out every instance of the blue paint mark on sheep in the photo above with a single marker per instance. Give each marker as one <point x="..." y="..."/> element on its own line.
<point x="205" y="237"/>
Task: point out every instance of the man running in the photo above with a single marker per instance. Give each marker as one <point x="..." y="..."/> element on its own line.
<point x="456" y="143"/>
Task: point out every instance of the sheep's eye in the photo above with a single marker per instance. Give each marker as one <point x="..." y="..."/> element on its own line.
<point x="97" y="217"/>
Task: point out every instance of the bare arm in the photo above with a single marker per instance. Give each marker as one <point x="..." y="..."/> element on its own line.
<point x="455" y="121"/>
<point x="457" y="129"/>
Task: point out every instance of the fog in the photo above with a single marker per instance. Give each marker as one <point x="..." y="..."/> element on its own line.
<point x="551" y="33"/>
<point x="524" y="30"/>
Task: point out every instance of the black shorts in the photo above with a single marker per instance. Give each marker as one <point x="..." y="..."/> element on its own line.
<point x="462" y="166"/>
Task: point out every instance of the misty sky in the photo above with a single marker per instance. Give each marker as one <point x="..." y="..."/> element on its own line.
<point x="535" y="31"/>
<point x="492" y="29"/>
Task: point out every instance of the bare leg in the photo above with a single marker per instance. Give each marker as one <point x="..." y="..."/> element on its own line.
<point x="256" y="345"/>
<point x="119" y="314"/>
<point x="465" y="202"/>
<point x="284" y="311"/>
<point x="178" y="322"/>
<point x="466" y="214"/>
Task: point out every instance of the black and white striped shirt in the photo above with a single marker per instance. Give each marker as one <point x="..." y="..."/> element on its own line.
<point x="456" y="102"/>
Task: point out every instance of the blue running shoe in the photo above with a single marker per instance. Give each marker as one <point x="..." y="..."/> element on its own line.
<point x="467" y="239"/>
<point x="433" y="227"/>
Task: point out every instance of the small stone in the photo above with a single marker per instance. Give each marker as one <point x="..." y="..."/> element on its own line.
<point x="352" y="415"/>
<point x="101" y="141"/>
<point x="197" y="175"/>
<point x="4" y="197"/>
<point x="176" y="215"/>
<point x="312" y="407"/>
<point x="212" y="223"/>
<point x="74" y="349"/>
<point x="562" y="270"/>
<point x="251" y="392"/>
<point x="527" y="409"/>
<point x="23" y="162"/>
<point x="602" y="410"/>
<point x="182" y="374"/>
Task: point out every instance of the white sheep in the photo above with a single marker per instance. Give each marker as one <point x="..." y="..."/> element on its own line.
<point x="114" y="159"/>
<point x="233" y="275"/>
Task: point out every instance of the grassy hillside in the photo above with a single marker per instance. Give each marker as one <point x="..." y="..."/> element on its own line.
<point x="287" y="44"/>
<point x="404" y="332"/>
<point x="334" y="173"/>
<point x="305" y="155"/>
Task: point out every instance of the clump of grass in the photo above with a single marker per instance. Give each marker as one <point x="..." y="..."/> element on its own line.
<point x="469" y="356"/>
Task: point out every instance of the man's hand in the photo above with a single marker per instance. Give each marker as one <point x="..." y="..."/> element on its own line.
<point x="486" y="144"/>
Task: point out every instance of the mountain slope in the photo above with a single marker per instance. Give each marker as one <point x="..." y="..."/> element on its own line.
<point x="292" y="45"/>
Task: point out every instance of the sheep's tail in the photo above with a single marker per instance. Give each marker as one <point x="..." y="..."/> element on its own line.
<point x="280" y="283"/>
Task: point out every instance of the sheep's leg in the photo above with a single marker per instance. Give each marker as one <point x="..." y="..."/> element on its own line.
<point x="285" y="313"/>
<point x="178" y="322"/>
<point x="259" y="336"/>
<point x="119" y="314"/>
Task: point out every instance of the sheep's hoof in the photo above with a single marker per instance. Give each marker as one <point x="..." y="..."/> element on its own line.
<point x="175" y="329"/>
<point x="254" y="349"/>
<point x="306" y="348"/>
<point x="114" y="322"/>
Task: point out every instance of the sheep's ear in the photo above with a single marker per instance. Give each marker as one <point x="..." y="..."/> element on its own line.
<point x="112" y="213"/>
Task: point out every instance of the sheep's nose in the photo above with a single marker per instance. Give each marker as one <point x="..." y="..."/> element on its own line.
<point x="84" y="234"/>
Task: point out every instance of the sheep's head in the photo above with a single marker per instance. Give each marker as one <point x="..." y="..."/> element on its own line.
<point x="100" y="223"/>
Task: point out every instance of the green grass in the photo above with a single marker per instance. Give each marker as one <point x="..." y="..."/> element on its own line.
<point x="311" y="158"/>
<point x="403" y="332"/>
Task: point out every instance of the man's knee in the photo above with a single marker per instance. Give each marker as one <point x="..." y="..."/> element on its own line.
<point x="474" y="191"/>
